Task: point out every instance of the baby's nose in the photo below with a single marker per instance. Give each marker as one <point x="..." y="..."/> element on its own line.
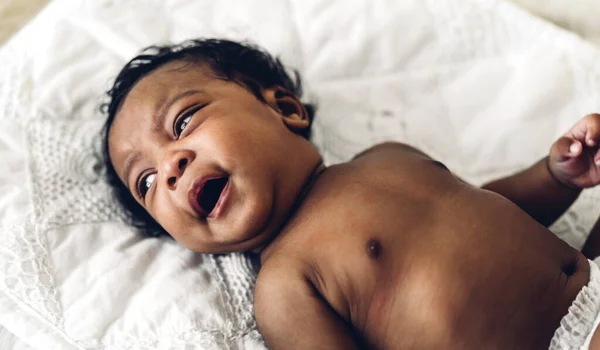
<point x="174" y="166"/>
<point x="172" y="181"/>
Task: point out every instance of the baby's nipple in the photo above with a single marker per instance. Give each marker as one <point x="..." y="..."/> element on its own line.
<point x="373" y="248"/>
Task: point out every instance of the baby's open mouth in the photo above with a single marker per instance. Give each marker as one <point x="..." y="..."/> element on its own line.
<point x="210" y="194"/>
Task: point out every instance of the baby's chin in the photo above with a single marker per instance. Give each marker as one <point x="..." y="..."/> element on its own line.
<point x="250" y="242"/>
<point x="253" y="244"/>
<point x="253" y="227"/>
<point x="236" y="237"/>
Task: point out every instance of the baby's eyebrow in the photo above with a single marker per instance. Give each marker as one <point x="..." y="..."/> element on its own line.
<point x="159" y="118"/>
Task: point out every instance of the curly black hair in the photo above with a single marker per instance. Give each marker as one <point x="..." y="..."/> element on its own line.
<point x="243" y="63"/>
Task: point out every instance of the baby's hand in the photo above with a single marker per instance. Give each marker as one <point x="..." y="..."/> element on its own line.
<point x="575" y="158"/>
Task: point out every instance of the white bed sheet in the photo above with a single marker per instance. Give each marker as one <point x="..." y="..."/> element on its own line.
<point x="579" y="16"/>
<point x="480" y="85"/>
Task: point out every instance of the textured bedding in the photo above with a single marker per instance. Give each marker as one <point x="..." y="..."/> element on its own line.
<point x="481" y="85"/>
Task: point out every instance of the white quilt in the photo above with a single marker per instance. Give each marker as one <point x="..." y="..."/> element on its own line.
<point x="479" y="84"/>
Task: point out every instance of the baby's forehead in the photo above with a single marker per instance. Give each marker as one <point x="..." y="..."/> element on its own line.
<point x="168" y="77"/>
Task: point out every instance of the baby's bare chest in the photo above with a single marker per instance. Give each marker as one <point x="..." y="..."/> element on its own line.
<point x="407" y="265"/>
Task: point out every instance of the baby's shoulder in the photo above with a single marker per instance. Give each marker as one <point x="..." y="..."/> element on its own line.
<point x="390" y="149"/>
<point x="340" y="185"/>
<point x="282" y="264"/>
<point x="280" y="275"/>
<point x="391" y="158"/>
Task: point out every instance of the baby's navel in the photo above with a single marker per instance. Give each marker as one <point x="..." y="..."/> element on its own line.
<point x="373" y="248"/>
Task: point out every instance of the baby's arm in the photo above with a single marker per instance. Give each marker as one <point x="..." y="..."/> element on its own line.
<point x="536" y="192"/>
<point x="292" y="315"/>
<point x="550" y="186"/>
<point x="591" y="248"/>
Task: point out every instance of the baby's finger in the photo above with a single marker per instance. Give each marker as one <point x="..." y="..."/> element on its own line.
<point x="597" y="158"/>
<point x="565" y="148"/>
<point x="592" y="134"/>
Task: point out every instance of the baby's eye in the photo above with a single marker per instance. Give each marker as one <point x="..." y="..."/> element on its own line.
<point x="145" y="183"/>
<point x="182" y="122"/>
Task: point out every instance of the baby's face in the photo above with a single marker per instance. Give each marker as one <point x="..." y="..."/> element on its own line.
<point x="217" y="168"/>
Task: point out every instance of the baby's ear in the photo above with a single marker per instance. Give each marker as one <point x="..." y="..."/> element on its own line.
<point x="289" y="106"/>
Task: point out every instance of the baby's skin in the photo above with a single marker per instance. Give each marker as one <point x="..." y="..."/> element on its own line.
<point x="387" y="251"/>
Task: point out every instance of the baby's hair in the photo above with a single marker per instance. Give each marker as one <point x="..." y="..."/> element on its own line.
<point x="242" y="63"/>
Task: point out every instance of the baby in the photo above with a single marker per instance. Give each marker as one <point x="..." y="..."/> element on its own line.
<point x="208" y="142"/>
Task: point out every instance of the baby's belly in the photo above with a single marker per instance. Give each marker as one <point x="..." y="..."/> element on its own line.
<point x="488" y="277"/>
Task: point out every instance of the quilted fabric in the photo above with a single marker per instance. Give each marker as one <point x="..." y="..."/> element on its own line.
<point x="480" y="85"/>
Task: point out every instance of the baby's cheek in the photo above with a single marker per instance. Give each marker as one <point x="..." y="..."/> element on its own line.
<point x="168" y="219"/>
<point x="186" y="237"/>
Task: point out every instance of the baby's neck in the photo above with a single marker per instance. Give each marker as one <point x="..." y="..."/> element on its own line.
<point x="266" y="250"/>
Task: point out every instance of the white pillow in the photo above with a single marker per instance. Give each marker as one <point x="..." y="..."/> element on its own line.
<point x="481" y="85"/>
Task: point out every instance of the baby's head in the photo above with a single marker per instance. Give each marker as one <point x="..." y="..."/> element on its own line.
<point x="208" y="141"/>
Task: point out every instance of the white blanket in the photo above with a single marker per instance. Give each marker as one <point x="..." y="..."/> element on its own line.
<point x="481" y="85"/>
